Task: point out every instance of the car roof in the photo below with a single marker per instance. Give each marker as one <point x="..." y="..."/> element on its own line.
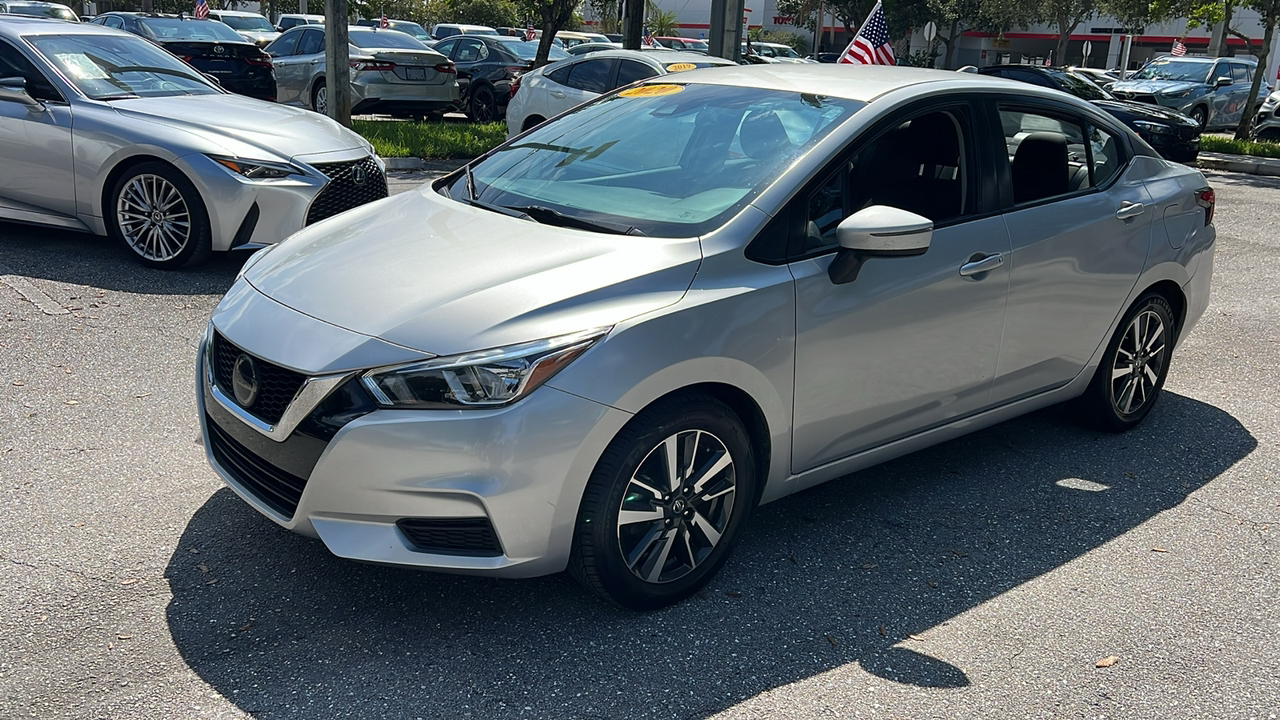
<point x="15" y="26"/>
<point x="236" y="13"/>
<point x="301" y="15"/>
<point x="667" y="58"/>
<point x="852" y="82"/>
<point x="464" y="26"/>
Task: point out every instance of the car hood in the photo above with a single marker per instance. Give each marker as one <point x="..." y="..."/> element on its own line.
<point x="1144" y="111"/>
<point x="434" y="275"/>
<point x="1154" y="86"/>
<point x="236" y="121"/>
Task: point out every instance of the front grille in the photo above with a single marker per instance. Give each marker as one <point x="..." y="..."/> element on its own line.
<point x="275" y="487"/>
<point x="451" y="536"/>
<point x="343" y="193"/>
<point x="1138" y="97"/>
<point x="277" y="386"/>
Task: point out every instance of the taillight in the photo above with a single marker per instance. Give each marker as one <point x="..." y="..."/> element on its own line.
<point x="515" y="85"/>
<point x="373" y="65"/>
<point x="515" y="72"/>
<point x="263" y="61"/>
<point x="447" y="67"/>
<point x="1206" y="199"/>
<point x="186" y="58"/>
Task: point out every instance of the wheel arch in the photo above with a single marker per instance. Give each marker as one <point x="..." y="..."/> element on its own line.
<point x="532" y="121"/>
<point x="1174" y="295"/>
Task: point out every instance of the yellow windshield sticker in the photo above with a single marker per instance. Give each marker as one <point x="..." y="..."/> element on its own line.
<point x="651" y="91"/>
<point x="681" y="67"/>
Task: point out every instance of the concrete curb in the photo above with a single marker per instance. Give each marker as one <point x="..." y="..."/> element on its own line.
<point x="1239" y="163"/>
<point x="411" y="164"/>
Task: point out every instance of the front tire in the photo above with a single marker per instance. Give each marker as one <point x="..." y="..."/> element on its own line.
<point x="157" y="214"/>
<point x="665" y="505"/>
<point x="1201" y="116"/>
<point x="1133" y="369"/>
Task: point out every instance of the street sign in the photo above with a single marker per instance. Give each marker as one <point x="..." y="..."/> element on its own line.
<point x="1088" y="49"/>
<point x="930" y="31"/>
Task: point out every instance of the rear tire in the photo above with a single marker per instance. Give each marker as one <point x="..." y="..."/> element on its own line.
<point x="643" y="544"/>
<point x="320" y="97"/>
<point x="483" y="104"/>
<point x="1128" y="381"/>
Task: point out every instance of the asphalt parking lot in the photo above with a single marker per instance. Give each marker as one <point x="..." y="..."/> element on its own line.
<point x="981" y="578"/>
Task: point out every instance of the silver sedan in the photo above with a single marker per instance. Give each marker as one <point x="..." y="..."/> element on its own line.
<point x="391" y="72"/>
<point x="102" y="131"/>
<point x="601" y="345"/>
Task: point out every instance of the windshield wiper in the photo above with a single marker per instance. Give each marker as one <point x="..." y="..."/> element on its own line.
<point x="121" y="96"/>
<point x="555" y="217"/>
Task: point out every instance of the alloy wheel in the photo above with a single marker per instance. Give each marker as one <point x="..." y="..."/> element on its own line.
<point x="322" y="100"/>
<point x="1139" y="363"/>
<point x="153" y="217"/>
<point x="677" y="506"/>
<point x="483" y="105"/>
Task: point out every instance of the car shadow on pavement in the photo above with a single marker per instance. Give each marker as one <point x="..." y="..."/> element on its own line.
<point x="853" y="571"/>
<point x="83" y="259"/>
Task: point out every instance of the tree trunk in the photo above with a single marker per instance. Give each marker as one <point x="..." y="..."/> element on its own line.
<point x="1227" y="11"/>
<point x="1246" y="118"/>
<point x="949" y="58"/>
<point x="1064" y="37"/>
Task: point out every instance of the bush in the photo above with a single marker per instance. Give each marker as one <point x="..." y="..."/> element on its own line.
<point x="1213" y="143"/>
<point x="438" y="140"/>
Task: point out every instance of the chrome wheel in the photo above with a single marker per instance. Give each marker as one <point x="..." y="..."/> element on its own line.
<point x="321" y="100"/>
<point x="677" y="506"/>
<point x="153" y="217"/>
<point x="1139" y="363"/>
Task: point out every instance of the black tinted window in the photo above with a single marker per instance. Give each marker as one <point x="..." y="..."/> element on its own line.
<point x="560" y="76"/>
<point x="1030" y="76"/>
<point x="590" y="75"/>
<point x="284" y="45"/>
<point x="630" y="71"/>
<point x="14" y="64"/>
<point x="312" y="42"/>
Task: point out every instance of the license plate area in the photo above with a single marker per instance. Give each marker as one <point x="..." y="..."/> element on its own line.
<point x="415" y="73"/>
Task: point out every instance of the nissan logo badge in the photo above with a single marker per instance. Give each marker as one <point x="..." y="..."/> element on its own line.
<point x="244" y="381"/>
<point x="359" y="175"/>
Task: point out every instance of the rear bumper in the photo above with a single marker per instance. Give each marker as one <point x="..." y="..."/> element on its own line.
<point x="262" y="88"/>
<point x="373" y="94"/>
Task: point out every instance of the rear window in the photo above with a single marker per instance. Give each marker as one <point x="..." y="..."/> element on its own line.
<point x="180" y="29"/>
<point x="528" y="50"/>
<point x="393" y="39"/>
<point x="58" y="12"/>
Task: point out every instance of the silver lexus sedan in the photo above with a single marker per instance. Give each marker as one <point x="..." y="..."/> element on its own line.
<point x="601" y="345"/>
<point x="104" y="132"/>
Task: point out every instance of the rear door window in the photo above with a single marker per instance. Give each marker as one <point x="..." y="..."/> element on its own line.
<point x="1240" y="73"/>
<point x="312" y="42"/>
<point x="285" y="45"/>
<point x="1047" y="154"/>
<point x="591" y="76"/>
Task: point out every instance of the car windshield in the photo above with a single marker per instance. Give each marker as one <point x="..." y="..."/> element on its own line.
<point x="54" y="11"/>
<point x="528" y="50"/>
<point x="1080" y="86"/>
<point x="189" y="29"/>
<point x="667" y="160"/>
<point x="394" y="39"/>
<point x="252" y="23"/>
<point x="108" y="67"/>
<point x="1185" y="70"/>
<point x="785" y="52"/>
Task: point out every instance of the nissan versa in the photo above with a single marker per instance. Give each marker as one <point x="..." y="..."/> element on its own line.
<point x="601" y="345"/>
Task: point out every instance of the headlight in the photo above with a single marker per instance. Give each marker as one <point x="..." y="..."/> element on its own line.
<point x="1176" y="93"/>
<point x="257" y="169"/>
<point x="1153" y="128"/>
<point x="488" y="378"/>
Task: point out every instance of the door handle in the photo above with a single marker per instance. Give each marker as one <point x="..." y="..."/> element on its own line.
<point x="981" y="265"/>
<point x="1129" y="210"/>
<point x="556" y="94"/>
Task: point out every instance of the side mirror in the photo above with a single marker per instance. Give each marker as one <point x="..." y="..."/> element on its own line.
<point x="877" y="231"/>
<point x="14" y="89"/>
<point x="1224" y="82"/>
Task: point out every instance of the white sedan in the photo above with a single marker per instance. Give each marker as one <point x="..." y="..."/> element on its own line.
<point x="551" y="89"/>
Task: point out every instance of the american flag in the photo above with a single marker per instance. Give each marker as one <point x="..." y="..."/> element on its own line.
<point x="648" y="37"/>
<point x="871" y="46"/>
<point x="1178" y="49"/>
<point x="384" y="23"/>
<point x="529" y="33"/>
<point x="202" y="9"/>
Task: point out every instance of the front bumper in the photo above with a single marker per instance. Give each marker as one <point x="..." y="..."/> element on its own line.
<point x="522" y="468"/>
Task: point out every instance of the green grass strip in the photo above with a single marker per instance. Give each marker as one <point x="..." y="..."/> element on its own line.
<point x="432" y="139"/>
<point x="1212" y="143"/>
